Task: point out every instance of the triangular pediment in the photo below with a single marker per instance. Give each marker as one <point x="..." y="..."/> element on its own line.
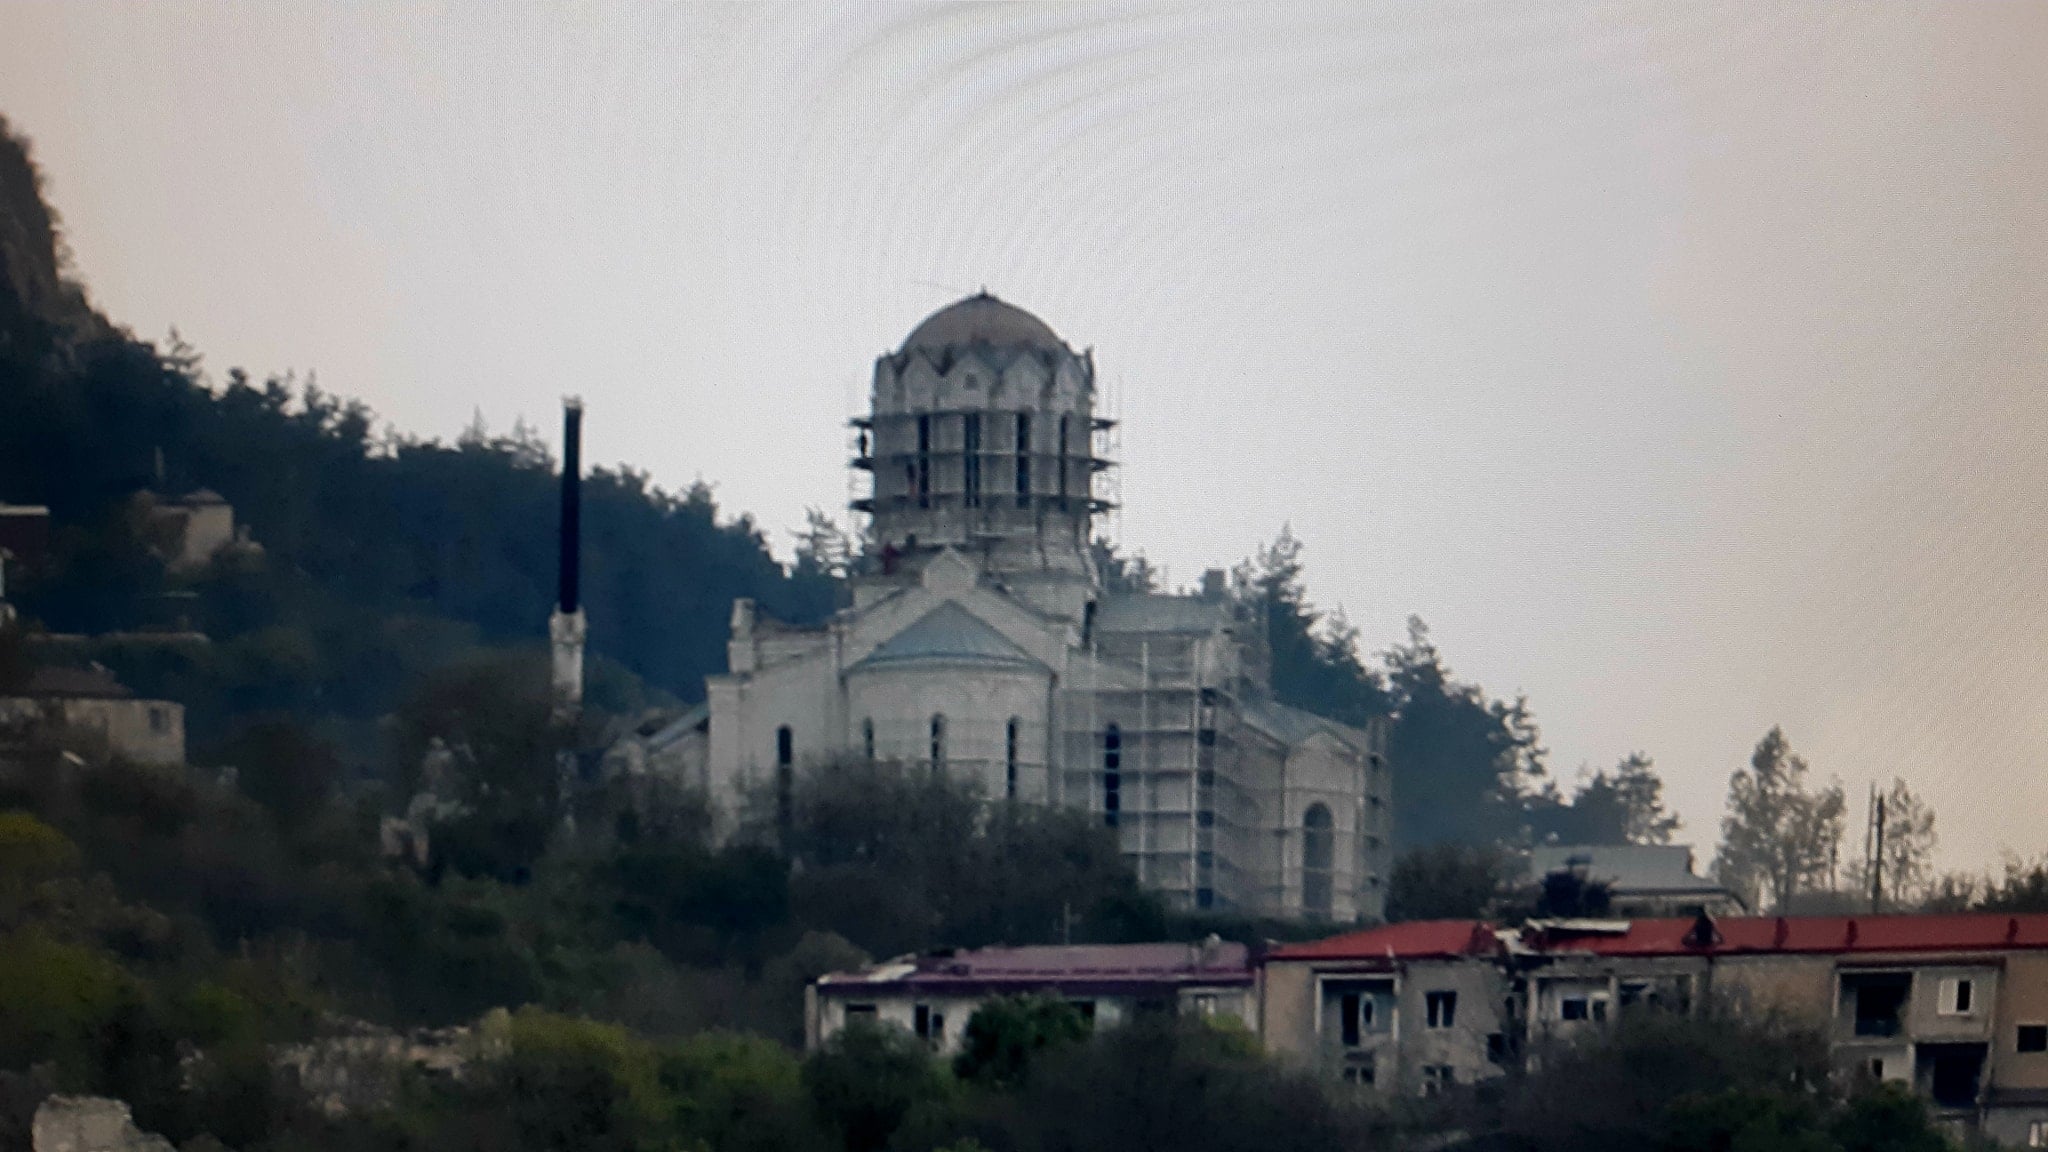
<point x="949" y="634"/>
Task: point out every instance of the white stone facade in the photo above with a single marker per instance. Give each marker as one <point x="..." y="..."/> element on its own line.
<point x="981" y="642"/>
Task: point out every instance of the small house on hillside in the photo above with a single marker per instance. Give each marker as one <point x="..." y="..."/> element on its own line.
<point x="91" y="700"/>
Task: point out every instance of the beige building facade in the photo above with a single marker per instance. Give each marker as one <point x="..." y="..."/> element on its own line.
<point x="1953" y="1006"/>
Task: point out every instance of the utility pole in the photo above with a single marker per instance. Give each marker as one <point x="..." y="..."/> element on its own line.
<point x="1873" y="849"/>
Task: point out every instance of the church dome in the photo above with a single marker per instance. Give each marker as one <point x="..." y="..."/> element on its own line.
<point x="983" y="319"/>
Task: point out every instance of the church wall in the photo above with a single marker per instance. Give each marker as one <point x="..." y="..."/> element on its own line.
<point x="802" y="694"/>
<point x="1323" y="772"/>
<point x="977" y="702"/>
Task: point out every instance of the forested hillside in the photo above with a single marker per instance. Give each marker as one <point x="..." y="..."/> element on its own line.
<point x="385" y="554"/>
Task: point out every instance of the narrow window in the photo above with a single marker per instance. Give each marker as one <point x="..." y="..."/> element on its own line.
<point x="972" y="498"/>
<point x="2031" y="1038"/>
<point x="1112" y="774"/>
<point x="860" y="1012"/>
<point x="785" y="782"/>
<point x="1063" y="462"/>
<point x="1347" y="1019"/>
<point x="1318" y="850"/>
<point x="867" y="738"/>
<point x="924" y="461"/>
<point x="1023" y="459"/>
<point x="938" y="741"/>
<point x="1010" y="759"/>
<point x="1442" y="1008"/>
<point x="1877" y="1068"/>
<point x="1956" y="997"/>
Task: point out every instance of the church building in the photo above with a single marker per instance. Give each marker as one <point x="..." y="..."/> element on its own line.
<point x="982" y="643"/>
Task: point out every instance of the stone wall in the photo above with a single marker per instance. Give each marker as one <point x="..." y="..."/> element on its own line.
<point x="91" y="1124"/>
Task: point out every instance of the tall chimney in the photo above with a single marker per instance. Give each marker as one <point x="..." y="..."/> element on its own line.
<point x="567" y="627"/>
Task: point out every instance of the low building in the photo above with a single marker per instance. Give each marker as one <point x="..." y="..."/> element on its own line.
<point x="189" y="531"/>
<point x="933" y="996"/>
<point x="1407" y="1008"/>
<point x="1955" y="1006"/>
<point x="1640" y="879"/>
<point x="89" y="700"/>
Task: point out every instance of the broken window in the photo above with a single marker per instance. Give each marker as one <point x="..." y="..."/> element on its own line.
<point x="1359" y="1074"/>
<point x="1436" y="1078"/>
<point x="1951" y="1072"/>
<point x="1441" y="1008"/>
<point x="1877" y="1000"/>
<point x="1957" y="996"/>
<point x="1572" y="1008"/>
<point x="930" y="1026"/>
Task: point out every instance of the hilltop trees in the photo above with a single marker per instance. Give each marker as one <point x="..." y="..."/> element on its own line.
<point x="1905" y="858"/>
<point x="1782" y="834"/>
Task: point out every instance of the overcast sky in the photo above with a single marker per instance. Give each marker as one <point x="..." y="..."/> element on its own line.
<point x="1681" y="365"/>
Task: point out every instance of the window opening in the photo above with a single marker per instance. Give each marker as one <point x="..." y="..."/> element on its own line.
<point x="1112" y="774"/>
<point x="1023" y="459"/>
<point x="2031" y="1038"/>
<point x="1318" y="850"/>
<point x="924" y="461"/>
<point x="1442" y="1009"/>
<point x="1063" y="462"/>
<point x="938" y="742"/>
<point x="867" y="738"/>
<point x="785" y="781"/>
<point x="972" y="430"/>
<point x="1010" y="759"/>
<point x="1956" y="996"/>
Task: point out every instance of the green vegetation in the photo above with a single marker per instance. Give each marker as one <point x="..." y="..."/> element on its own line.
<point x="1714" y="1083"/>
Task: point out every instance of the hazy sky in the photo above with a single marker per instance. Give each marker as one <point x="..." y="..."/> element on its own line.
<point x="1682" y="365"/>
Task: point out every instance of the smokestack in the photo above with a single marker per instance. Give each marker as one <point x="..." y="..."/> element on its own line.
<point x="567" y="628"/>
<point x="570" y="568"/>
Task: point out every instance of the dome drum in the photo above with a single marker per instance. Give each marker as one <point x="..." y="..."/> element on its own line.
<point x="982" y="431"/>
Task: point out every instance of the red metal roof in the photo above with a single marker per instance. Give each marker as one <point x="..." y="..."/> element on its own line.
<point x="1960" y="932"/>
<point x="1420" y="939"/>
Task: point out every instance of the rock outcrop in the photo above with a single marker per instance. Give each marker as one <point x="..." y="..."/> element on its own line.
<point x="92" y="1124"/>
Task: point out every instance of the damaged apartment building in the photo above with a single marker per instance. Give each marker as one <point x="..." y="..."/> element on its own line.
<point x="1955" y="1006"/>
<point x="983" y="643"/>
